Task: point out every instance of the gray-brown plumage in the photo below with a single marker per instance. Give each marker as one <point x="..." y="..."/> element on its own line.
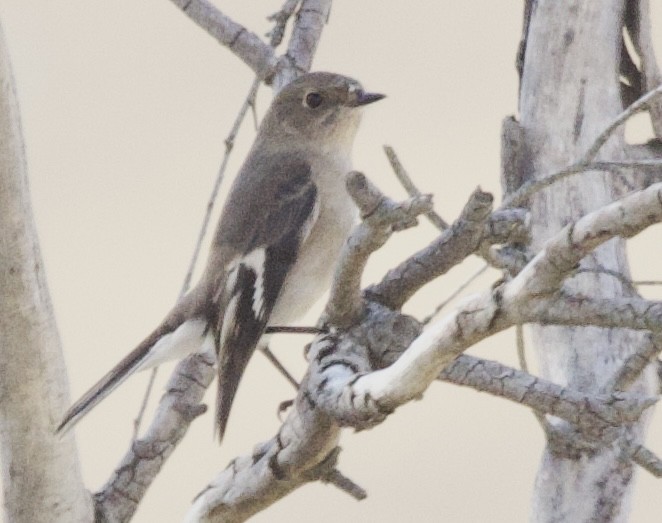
<point x="282" y="227"/>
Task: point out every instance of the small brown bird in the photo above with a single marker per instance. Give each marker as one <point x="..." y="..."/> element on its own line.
<point x="274" y="250"/>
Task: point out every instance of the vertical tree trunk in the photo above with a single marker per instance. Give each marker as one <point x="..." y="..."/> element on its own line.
<point x="569" y="93"/>
<point x="40" y="474"/>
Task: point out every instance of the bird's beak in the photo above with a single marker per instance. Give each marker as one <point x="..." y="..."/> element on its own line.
<point x="362" y="98"/>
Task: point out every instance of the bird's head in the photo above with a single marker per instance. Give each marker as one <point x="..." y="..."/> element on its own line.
<point x="318" y="107"/>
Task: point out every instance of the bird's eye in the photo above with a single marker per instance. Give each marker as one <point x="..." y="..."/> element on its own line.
<point x="313" y="100"/>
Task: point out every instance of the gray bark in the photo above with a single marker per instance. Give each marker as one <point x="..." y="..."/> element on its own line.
<point x="374" y="358"/>
<point x="569" y="94"/>
<point x="40" y="473"/>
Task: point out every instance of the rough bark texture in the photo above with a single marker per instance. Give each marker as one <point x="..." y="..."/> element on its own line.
<point x="358" y="375"/>
<point x="40" y="473"/>
<point x="372" y="358"/>
<point x="569" y="94"/>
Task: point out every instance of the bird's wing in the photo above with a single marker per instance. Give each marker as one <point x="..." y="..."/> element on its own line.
<point x="254" y="279"/>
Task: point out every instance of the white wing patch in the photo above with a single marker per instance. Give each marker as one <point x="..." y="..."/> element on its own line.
<point x="229" y="320"/>
<point x="186" y="339"/>
<point x="230" y="280"/>
<point x="255" y="260"/>
<point x="310" y="221"/>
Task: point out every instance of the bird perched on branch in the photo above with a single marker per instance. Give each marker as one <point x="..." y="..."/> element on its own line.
<point x="281" y="230"/>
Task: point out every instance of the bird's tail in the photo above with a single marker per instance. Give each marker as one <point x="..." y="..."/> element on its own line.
<point x="120" y="372"/>
<point x="178" y="335"/>
<point x="231" y="367"/>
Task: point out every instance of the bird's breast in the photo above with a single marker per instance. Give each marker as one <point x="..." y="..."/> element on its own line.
<point x="313" y="271"/>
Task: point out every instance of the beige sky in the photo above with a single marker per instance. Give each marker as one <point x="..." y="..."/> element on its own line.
<point x="125" y="108"/>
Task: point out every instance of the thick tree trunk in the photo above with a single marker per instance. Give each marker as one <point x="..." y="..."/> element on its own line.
<point x="569" y="94"/>
<point x="40" y="474"/>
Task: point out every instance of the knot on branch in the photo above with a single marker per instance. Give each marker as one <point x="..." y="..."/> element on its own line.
<point x="325" y="468"/>
<point x="509" y="226"/>
<point x="380" y="217"/>
<point x="479" y="206"/>
<point x="456" y="243"/>
<point x="511" y="229"/>
<point x="385" y="333"/>
<point x="338" y="360"/>
<point x="382" y="212"/>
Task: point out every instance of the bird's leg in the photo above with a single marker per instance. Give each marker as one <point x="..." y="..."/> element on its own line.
<point x="285" y="329"/>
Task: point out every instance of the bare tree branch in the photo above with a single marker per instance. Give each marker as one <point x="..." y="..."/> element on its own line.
<point x="635" y="364"/>
<point x="381" y="216"/>
<point x="454" y="294"/>
<point x="343" y="388"/>
<point x="409" y="186"/>
<point x="118" y="499"/>
<point x="647" y="460"/>
<point x="229" y="145"/>
<point x="578" y="310"/>
<point x="585" y="163"/>
<point x="249" y="47"/>
<point x="280" y="18"/>
<point x="562" y="253"/>
<point x="303" y="450"/>
<point x="642" y="104"/>
<point x="306" y="33"/>
<point x="584" y="411"/>
<point x="484" y="314"/>
<point x="453" y="245"/>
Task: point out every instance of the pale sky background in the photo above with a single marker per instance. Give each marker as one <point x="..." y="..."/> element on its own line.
<point x="125" y="108"/>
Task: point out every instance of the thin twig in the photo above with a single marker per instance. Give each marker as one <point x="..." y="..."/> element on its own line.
<point x="293" y="329"/>
<point x="229" y="144"/>
<point x="143" y="405"/>
<point x="339" y="480"/>
<point x="640" y="105"/>
<point x="281" y="368"/>
<point x="585" y="163"/>
<point x="455" y="294"/>
<point x="306" y="32"/>
<point x="647" y="282"/>
<point x="521" y="349"/>
<point x="281" y="18"/>
<point x="529" y="188"/>
<point x="412" y="190"/>
<point x="185" y="406"/>
<point x="626" y="164"/>
<point x="646" y="353"/>
<point x="436" y="220"/>
<point x="647" y="460"/>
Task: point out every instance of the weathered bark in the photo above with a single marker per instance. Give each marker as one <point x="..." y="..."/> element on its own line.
<point x="569" y="93"/>
<point x="40" y="473"/>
